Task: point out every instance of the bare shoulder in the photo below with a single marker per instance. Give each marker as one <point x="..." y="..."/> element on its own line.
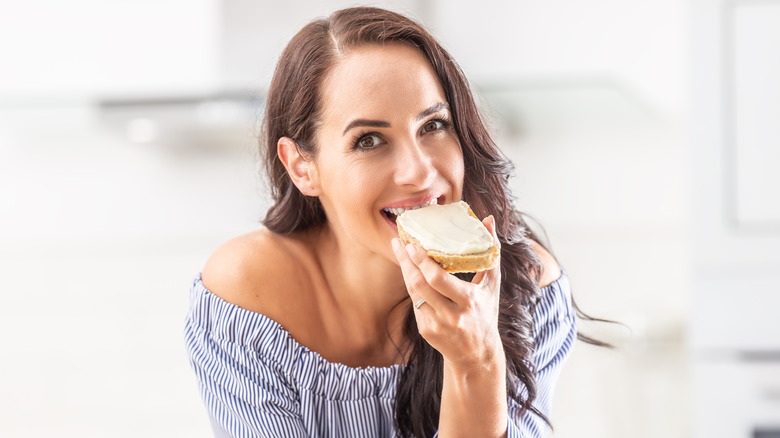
<point x="551" y="271"/>
<point x="253" y="271"/>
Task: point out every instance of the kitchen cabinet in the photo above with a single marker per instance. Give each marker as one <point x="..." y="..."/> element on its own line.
<point x="735" y="232"/>
<point x="755" y="102"/>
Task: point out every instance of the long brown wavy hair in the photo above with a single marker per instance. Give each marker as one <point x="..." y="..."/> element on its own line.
<point x="294" y="108"/>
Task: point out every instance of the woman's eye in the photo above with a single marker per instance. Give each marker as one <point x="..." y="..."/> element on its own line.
<point x="432" y="126"/>
<point x="369" y="141"/>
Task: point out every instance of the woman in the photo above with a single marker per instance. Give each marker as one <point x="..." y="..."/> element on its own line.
<point x="307" y="328"/>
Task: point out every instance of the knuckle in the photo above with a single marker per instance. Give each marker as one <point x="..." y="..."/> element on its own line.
<point x="460" y="324"/>
<point x="454" y="321"/>
<point x="436" y="279"/>
<point x="416" y="282"/>
<point x="470" y="305"/>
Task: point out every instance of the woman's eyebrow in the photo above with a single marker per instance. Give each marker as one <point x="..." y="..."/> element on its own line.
<point x="365" y="122"/>
<point x="382" y="124"/>
<point x="435" y="108"/>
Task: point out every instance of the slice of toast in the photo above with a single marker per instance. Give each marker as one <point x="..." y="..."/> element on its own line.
<point x="453" y="262"/>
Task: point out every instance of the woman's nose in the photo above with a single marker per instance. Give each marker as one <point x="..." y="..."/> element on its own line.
<point x="414" y="166"/>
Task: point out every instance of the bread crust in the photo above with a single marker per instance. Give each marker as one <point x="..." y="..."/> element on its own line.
<point x="454" y="263"/>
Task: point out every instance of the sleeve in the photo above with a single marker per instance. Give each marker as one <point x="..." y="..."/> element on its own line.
<point x="555" y="332"/>
<point x="246" y="395"/>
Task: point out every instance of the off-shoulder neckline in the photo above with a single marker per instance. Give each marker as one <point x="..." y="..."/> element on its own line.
<point x="299" y="348"/>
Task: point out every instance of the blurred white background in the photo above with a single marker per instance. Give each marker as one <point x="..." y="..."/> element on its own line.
<point x="646" y="142"/>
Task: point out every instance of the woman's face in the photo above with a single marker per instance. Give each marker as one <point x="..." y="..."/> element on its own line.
<point x="385" y="143"/>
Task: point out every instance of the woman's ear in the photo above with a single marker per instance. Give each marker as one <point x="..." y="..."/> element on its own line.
<point x="301" y="169"/>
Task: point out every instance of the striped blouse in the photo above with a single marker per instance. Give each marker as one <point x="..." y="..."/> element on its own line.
<point x="257" y="381"/>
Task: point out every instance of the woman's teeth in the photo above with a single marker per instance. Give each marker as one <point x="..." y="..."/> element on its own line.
<point x="397" y="211"/>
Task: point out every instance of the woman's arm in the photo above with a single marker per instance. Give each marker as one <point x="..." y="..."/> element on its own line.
<point x="460" y="320"/>
<point x="245" y="397"/>
<point x="247" y="394"/>
<point x="474" y="399"/>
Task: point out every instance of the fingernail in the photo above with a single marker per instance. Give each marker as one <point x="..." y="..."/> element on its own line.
<point x="395" y="244"/>
<point x="411" y="250"/>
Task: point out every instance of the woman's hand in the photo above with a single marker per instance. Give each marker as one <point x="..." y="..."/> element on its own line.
<point x="458" y="318"/>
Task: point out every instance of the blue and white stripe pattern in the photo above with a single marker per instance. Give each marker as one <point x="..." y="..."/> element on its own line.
<point x="257" y="381"/>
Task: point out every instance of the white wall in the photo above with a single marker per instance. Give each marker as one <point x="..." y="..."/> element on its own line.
<point x="100" y="238"/>
<point x="638" y="46"/>
<point x="84" y="49"/>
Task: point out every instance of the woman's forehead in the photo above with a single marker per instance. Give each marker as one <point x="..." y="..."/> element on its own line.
<point x="379" y="80"/>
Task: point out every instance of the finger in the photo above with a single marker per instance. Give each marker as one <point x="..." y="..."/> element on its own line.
<point x="416" y="285"/>
<point x="422" y="307"/>
<point x="492" y="277"/>
<point x="447" y="286"/>
<point x="490" y="223"/>
<point x="489" y="278"/>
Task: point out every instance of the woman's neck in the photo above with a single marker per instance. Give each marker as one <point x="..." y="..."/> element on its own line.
<point x="365" y="294"/>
